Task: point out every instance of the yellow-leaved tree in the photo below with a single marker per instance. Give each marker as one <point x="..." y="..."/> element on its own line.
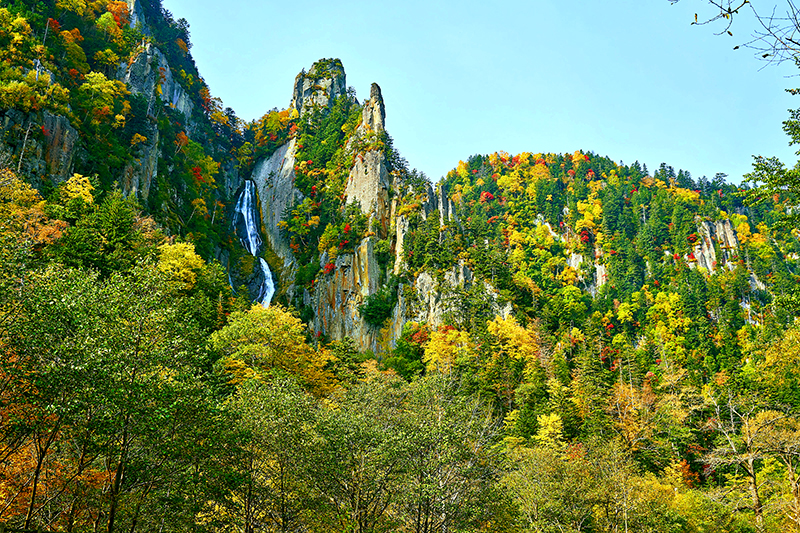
<point x="22" y="212"/>
<point x="264" y="342"/>
<point x="513" y="370"/>
<point x="180" y="262"/>
<point x="78" y="186"/>
<point x="669" y="326"/>
<point x="445" y="348"/>
<point x="518" y="342"/>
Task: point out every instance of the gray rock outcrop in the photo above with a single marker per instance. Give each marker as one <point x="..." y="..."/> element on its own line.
<point x="62" y="142"/>
<point x="722" y="234"/>
<point x="136" y="15"/>
<point x="140" y="172"/>
<point x="149" y="74"/>
<point x="369" y="182"/>
<point x="320" y="86"/>
<point x="43" y="146"/>
<point x="368" y="185"/>
<point x="338" y="295"/>
<point x="274" y="179"/>
<point x="401" y="228"/>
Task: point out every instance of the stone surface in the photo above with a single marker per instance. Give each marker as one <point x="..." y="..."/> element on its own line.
<point x="337" y="296"/>
<point x="369" y="182"/>
<point x="601" y="275"/>
<point x="718" y="232"/>
<point x="444" y="204"/>
<point x="401" y="228"/>
<point x="434" y="300"/>
<point x="274" y="179"/>
<point x="140" y="172"/>
<point x="61" y="144"/>
<point x="149" y="74"/>
<point x="575" y="261"/>
<point x="368" y="185"/>
<point x="319" y="86"/>
<point x="51" y="146"/>
<point x="373" y="114"/>
<point x="136" y="15"/>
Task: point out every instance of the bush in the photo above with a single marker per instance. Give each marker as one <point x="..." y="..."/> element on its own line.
<point x="378" y="307"/>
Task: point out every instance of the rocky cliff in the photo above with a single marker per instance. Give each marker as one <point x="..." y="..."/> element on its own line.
<point x="369" y="182"/>
<point x="42" y="146"/>
<point x="351" y="279"/>
<point x="318" y="87"/>
<point x="274" y="179"/>
<point x="714" y="236"/>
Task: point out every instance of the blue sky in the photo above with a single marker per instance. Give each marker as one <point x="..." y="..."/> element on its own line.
<point x="630" y="79"/>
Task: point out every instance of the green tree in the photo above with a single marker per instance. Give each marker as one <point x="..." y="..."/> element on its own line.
<point x="118" y="416"/>
<point x="276" y="425"/>
<point x="262" y="343"/>
<point x="450" y="474"/>
<point x="358" y="461"/>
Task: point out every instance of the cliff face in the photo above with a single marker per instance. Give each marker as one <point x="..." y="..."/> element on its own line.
<point x="42" y="146"/>
<point x="368" y="184"/>
<point x="150" y="76"/>
<point x="319" y="86"/>
<point x="274" y="179"/>
<point x="722" y="234"/>
<point x="136" y="14"/>
<point x="337" y="295"/>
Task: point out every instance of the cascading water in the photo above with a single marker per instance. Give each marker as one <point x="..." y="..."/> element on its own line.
<point x="246" y="226"/>
<point x="267" y="289"/>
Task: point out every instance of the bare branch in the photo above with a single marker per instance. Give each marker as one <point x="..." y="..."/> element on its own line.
<point x="776" y="36"/>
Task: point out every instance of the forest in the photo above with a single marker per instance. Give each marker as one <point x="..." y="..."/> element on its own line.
<point x="624" y="357"/>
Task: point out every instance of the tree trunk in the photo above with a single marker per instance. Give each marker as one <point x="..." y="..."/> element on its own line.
<point x="753" y="483"/>
<point x="119" y="477"/>
<point x="794" y="515"/>
<point x="41" y="453"/>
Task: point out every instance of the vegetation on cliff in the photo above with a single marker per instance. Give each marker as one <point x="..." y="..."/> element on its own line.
<point x="617" y="349"/>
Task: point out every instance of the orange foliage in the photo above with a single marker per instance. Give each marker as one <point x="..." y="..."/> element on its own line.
<point x="181" y="141"/>
<point x="120" y="12"/>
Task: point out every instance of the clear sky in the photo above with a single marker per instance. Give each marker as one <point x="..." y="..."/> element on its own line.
<point x="630" y="79"/>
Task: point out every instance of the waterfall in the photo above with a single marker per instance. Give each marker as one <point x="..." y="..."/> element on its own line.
<point x="246" y="209"/>
<point x="246" y="226"/>
<point x="267" y="289"/>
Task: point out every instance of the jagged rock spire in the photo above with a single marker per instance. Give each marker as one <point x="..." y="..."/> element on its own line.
<point x="374" y="113"/>
<point x="320" y="86"/>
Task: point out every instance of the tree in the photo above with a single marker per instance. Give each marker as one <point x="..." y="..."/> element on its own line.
<point x="449" y="479"/>
<point x="275" y="421"/>
<point x="180" y="261"/>
<point x="357" y="463"/>
<point x="116" y="419"/>
<point x="264" y="342"/>
<point x="446" y="348"/>
<point x="773" y="183"/>
<point x="553" y="490"/>
<point x="781" y="438"/>
<point x="741" y="442"/>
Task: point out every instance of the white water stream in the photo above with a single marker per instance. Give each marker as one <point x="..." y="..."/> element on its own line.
<point x="246" y="209"/>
